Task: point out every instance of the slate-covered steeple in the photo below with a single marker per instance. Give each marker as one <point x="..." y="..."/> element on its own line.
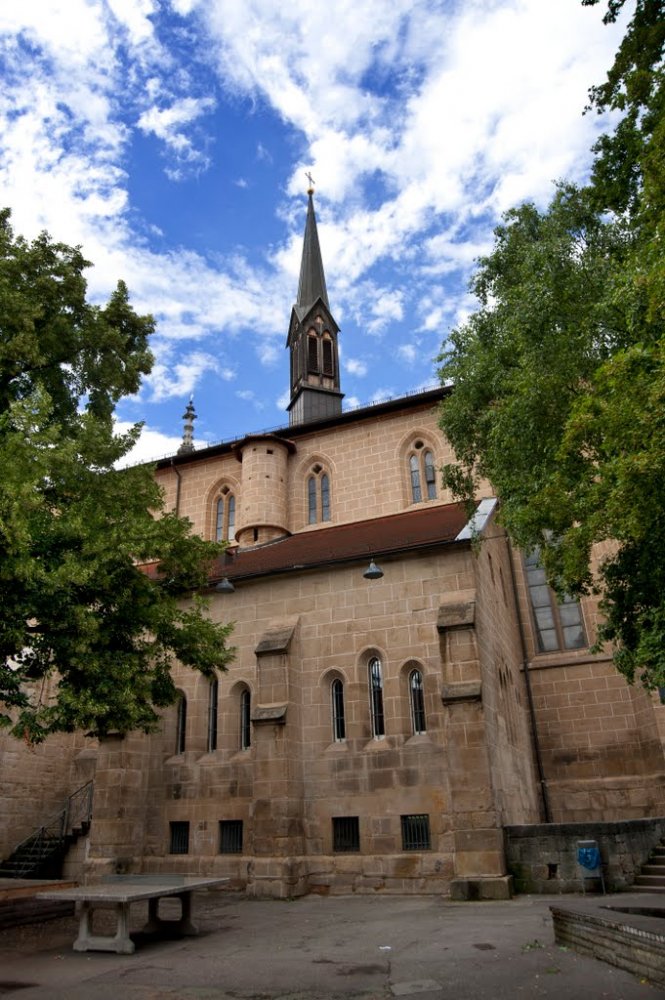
<point x="312" y="339"/>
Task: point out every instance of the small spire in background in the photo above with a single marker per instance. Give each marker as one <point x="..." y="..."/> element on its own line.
<point x="189" y="416"/>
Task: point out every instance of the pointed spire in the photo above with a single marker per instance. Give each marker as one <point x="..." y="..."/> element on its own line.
<point x="189" y="416"/>
<point x="312" y="284"/>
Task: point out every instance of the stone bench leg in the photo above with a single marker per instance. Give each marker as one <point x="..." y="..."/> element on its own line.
<point x="184" y="925"/>
<point x="121" y="943"/>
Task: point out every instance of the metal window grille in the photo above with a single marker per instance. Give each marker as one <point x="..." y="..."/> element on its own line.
<point x="245" y="721"/>
<point x="179" y="838"/>
<point x="415" y="833"/>
<point x="417" y="696"/>
<point x="346" y="833"/>
<point x="181" y="725"/>
<point x="339" y="723"/>
<point x="376" y="697"/>
<point x="212" y="715"/>
<point x="230" y="836"/>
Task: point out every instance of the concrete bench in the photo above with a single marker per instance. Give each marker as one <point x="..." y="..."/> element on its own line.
<point x="118" y="893"/>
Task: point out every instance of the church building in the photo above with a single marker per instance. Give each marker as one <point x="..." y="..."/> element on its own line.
<point x="405" y="684"/>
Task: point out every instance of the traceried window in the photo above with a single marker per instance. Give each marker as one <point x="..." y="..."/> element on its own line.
<point x="181" y="725"/>
<point x="245" y="720"/>
<point x="417" y="702"/>
<point x="422" y="473"/>
<point x="328" y="357"/>
<point x="225" y="515"/>
<point x="376" y="697"/>
<point x="338" y="719"/>
<point x="559" y="624"/>
<point x="213" y="695"/>
<point x="318" y="495"/>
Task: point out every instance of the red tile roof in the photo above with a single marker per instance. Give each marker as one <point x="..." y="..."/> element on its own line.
<point x="428" y="526"/>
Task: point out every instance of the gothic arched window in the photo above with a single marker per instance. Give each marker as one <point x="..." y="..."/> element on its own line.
<point x="181" y="725"/>
<point x="338" y="718"/>
<point x="225" y="515"/>
<point x="417" y="701"/>
<point x="422" y="473"/>
<point x="245" y="720"/>
<point x="213" y="695"/>
<point x="376" y="697"/>
<point x="318" y="495"/>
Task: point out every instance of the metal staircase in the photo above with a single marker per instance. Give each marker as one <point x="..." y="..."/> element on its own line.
<point x="652" y="874"/>
<point x="42" y="853"/>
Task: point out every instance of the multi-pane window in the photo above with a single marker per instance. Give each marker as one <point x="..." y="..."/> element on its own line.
<point x="213" y="694"/>
<point x="181" y="725"/>
<point x="230" y="836"/>
<point x="338" y="720"/>
<point x="417" y="701"/>
<point x="346" y="834"/>
<point x="376" y="697"/>
<point x="422" y="473"/>
<point x="179" y="838"/>
<point x="225" y="516"/>
<point x="245" y="720"/>
<point x="559" y="624"/>
<point x="318" y="495"/>
<point x="415" y="833"/>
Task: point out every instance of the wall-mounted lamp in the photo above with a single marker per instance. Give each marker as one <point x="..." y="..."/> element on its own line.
<point x="373" y="572"/>
<point x="225" y="586"/>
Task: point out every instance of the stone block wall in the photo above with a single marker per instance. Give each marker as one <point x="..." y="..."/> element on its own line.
<point x="543" y="858"/>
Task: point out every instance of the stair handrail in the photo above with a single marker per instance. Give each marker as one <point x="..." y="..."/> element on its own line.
<point x="77" y="808"/>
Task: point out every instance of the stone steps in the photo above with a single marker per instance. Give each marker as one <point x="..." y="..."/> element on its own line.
<point x="652" y="873"/>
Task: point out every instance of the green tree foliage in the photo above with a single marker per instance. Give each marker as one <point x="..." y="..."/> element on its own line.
<point x="75" y="531"/>
<point x="559" y="378"/>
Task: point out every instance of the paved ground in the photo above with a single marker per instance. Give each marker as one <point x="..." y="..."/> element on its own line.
<point x="340" y="948"/>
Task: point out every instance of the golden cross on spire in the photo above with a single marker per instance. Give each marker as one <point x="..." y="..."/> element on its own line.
<point x="309" y="177"/>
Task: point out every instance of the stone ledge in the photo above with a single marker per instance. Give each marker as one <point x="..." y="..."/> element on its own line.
<point x="461" y="691"/>
<point x="469" y="889"/>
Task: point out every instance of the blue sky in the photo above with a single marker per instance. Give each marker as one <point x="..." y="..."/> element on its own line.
<point x="171" y="139"/>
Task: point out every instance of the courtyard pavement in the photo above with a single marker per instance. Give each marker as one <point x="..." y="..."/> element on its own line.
<point x="335" y="948"/>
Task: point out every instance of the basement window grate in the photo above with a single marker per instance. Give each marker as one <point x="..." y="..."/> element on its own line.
<point x="415" y="833"/>
<point x="179" y="838"/>
<point x="230" y="836"/>
<point x="346" y="834"/>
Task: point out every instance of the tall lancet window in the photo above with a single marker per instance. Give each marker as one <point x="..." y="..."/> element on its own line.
<point x="422" y="473"/>
<point x="225" y="516"/>
<point x="376" y="697"/>
<point x="318" y="495"/>
<point x="417" y="699"/>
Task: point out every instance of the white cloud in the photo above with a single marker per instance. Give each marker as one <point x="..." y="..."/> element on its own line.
<point x="408" y="353"/>
<point x="151" y="445"/>
<point x="170" y="123"/>
<point x="180" y="379"/>
<point x="355" y="367"/>
<point x="269" y="355"/>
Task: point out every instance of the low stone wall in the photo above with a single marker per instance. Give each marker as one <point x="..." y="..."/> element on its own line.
<point x="543" y="858"/>
<point x="633" y="939"/>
